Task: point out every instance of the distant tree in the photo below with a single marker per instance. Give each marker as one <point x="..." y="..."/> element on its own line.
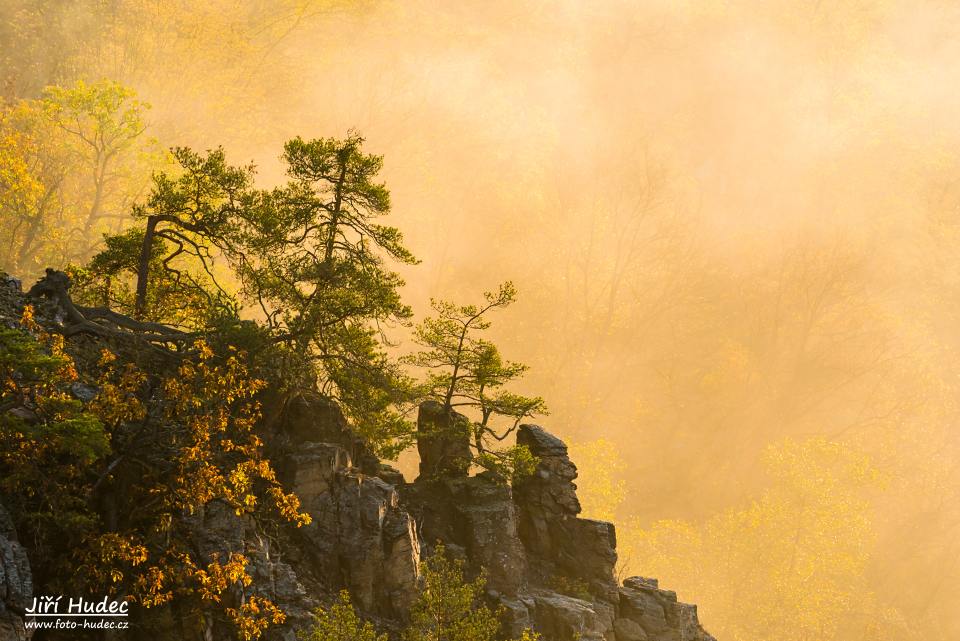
<point x="795" y="555"/>
<point x="71" y="163"/>
<point x="35" y="210"/>
<point x="465" y="372"/>
<point x="103" y="121"/>
<point x="340" y="622"/>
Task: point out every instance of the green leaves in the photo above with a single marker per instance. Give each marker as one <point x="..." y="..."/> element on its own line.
<point x="449" y="608"/>
<point x="49" y="444"/>
<point x="466" y="372"/>
<point x="103" y="115"/>
<point x="306" y="260"/>
<point x="69" y="161"/>
<point x="340" y="622"/>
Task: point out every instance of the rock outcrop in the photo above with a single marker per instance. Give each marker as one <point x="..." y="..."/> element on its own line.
<point x="359" y="538"/>
<point x="16" y="582"/>
<point x="548" y="568"/>
<point x="443" y="441"/>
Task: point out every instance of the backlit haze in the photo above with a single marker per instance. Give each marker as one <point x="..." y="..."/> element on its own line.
<point x="734" y="228"/>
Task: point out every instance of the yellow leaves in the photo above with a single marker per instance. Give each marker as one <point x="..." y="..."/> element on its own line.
<point x="216" y="578"/>
<point x="205" y="419"/>
<point x="108" y="558"/>
<point x="788" y="563"/>
<point x="289" y="506"/>
<point x="28" y="320"/>
<point x="151" y="588"/>
<point x="220" y="456"/>
<point x="118" y="400"/>
<point x="115" y="547"/>
<point x="255" y="613"/>
<point x="204" y="349"/>
<point x="599" y="489"/>
<point x="254" y="616"/>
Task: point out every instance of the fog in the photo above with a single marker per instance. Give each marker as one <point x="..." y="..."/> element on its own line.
<point x="730" y="224"/>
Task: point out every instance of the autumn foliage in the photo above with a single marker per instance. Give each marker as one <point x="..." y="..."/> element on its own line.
<point x="107" y="486"/>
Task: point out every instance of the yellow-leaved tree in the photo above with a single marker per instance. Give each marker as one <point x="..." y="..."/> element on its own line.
<point x="788" y="564"/>
<point x="109" y="487"/>
<point x="196" y="447"/>
<point x="71" y="164"/>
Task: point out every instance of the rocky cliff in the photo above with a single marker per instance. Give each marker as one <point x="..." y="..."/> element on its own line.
<point x="550" y="569"/>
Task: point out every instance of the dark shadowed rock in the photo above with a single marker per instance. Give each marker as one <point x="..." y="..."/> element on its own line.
<point x="489" y="525"/>
<point x="443" y="441"/>
<point x="359" y="538"/>
<point x="310" y="417"/>
<point x="390" y="475"/>
<point x="85" y="393"/>
<point x="627" y="630"/>
<point x="658" y="613"/>
<point x="561" y="617"/>
<point x="16" y="582"/>
<point x="377" y="545"/>
<point x="476" y="515"/>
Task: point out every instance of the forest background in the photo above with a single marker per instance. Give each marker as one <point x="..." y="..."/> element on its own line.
<point x="734" y="229"/>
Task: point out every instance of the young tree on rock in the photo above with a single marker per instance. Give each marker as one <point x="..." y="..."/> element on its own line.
<point x="340" y="622"/>
<point x="449" y="608"/>
<point x="465" y="371"/>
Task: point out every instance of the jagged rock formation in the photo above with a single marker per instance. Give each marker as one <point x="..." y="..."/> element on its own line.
<point x="443" y="441"/>
<point x="16" y="582"/>
<point x="550" y="569"/>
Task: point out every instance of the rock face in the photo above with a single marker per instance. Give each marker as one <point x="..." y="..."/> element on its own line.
<point x="16" y="582"/>
<point x="443" y="441"/>
<point x="571" y="564"/>
<point x="548" y="568"/>
<point x="359" y="538"/>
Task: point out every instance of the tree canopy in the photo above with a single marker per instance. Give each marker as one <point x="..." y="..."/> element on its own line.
<point x="307" y="260"/>
<point x="72" y="162"/>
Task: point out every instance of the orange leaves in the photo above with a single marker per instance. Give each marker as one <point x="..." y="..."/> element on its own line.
<point x="219" y="456"/>
<point x="28" y="320"/>
<point x="109" y="560"/>
<point x="187" y="444"/>
<point x="214" y="580"/>
<point x="151" y="589"/>
<point x="254" y="616"/>
<point x="288" y="504"/>
<point x="118" y="401"/>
